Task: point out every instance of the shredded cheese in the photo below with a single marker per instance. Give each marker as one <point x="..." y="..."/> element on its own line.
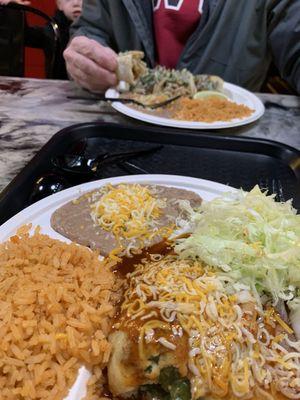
<point x="232" y="345"/>
<point x="131" y="212"/>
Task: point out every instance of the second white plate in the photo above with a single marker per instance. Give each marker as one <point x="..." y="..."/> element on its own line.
<point x="235" y="93"/>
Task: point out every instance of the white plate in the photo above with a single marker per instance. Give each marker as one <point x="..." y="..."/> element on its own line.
<point x="39" y="214"/>
<point x="235" y="93"/>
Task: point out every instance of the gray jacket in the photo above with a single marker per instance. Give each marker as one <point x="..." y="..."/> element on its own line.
<point x="235" y="39"/>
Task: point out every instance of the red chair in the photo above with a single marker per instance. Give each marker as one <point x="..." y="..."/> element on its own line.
<point x="13" y="29"/>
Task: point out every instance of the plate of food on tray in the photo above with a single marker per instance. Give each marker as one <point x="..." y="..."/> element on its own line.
<point x="151" y="287"/>
<point x="192" y="101"/>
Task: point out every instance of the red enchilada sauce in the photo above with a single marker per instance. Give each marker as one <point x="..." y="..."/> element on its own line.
<point x="133" y="327"/>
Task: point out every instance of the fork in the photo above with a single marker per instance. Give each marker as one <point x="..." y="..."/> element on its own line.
<point x="127" y="100"/>
<point x="273" y="186"/>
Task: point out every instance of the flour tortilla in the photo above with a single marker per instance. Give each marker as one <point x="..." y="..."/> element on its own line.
<point x="131" y="66"/>
<point x="209" y="82"/>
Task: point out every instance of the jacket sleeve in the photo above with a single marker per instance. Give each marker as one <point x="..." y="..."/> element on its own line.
<point x="284" y="39"/>
<point x="94" y="22"/>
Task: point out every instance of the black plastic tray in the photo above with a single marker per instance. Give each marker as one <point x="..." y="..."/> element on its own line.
<point x="238" y="162"/>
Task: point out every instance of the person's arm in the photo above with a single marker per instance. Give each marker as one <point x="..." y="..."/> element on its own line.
<point x="284" y="39"/>
<point x="94" y="22"/>
<point x="89" y="59"/>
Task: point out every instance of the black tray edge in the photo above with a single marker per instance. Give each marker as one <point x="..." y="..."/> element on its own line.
<point x="283" y="152"/>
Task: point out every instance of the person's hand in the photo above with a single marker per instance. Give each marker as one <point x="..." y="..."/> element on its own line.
<point x="90" y="64"/>
<point x="22" y="2"/>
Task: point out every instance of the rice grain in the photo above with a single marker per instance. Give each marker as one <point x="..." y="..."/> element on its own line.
<point x="56" y="306"/>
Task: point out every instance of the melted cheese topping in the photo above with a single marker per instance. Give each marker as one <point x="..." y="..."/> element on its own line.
<point x="235" y="348"/>
<point x="131" y="213"/>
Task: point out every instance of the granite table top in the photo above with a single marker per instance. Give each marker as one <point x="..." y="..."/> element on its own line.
<point x="33" y="110"/>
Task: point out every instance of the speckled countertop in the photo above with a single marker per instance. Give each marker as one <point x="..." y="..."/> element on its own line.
<point x="31" y="111"/>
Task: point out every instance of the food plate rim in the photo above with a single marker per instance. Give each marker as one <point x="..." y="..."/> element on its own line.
<point x="60" y="198"/>
<point x="156" y="120"/>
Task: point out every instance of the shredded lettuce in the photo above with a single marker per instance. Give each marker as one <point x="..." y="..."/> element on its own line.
<point x="250" y="237"/>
